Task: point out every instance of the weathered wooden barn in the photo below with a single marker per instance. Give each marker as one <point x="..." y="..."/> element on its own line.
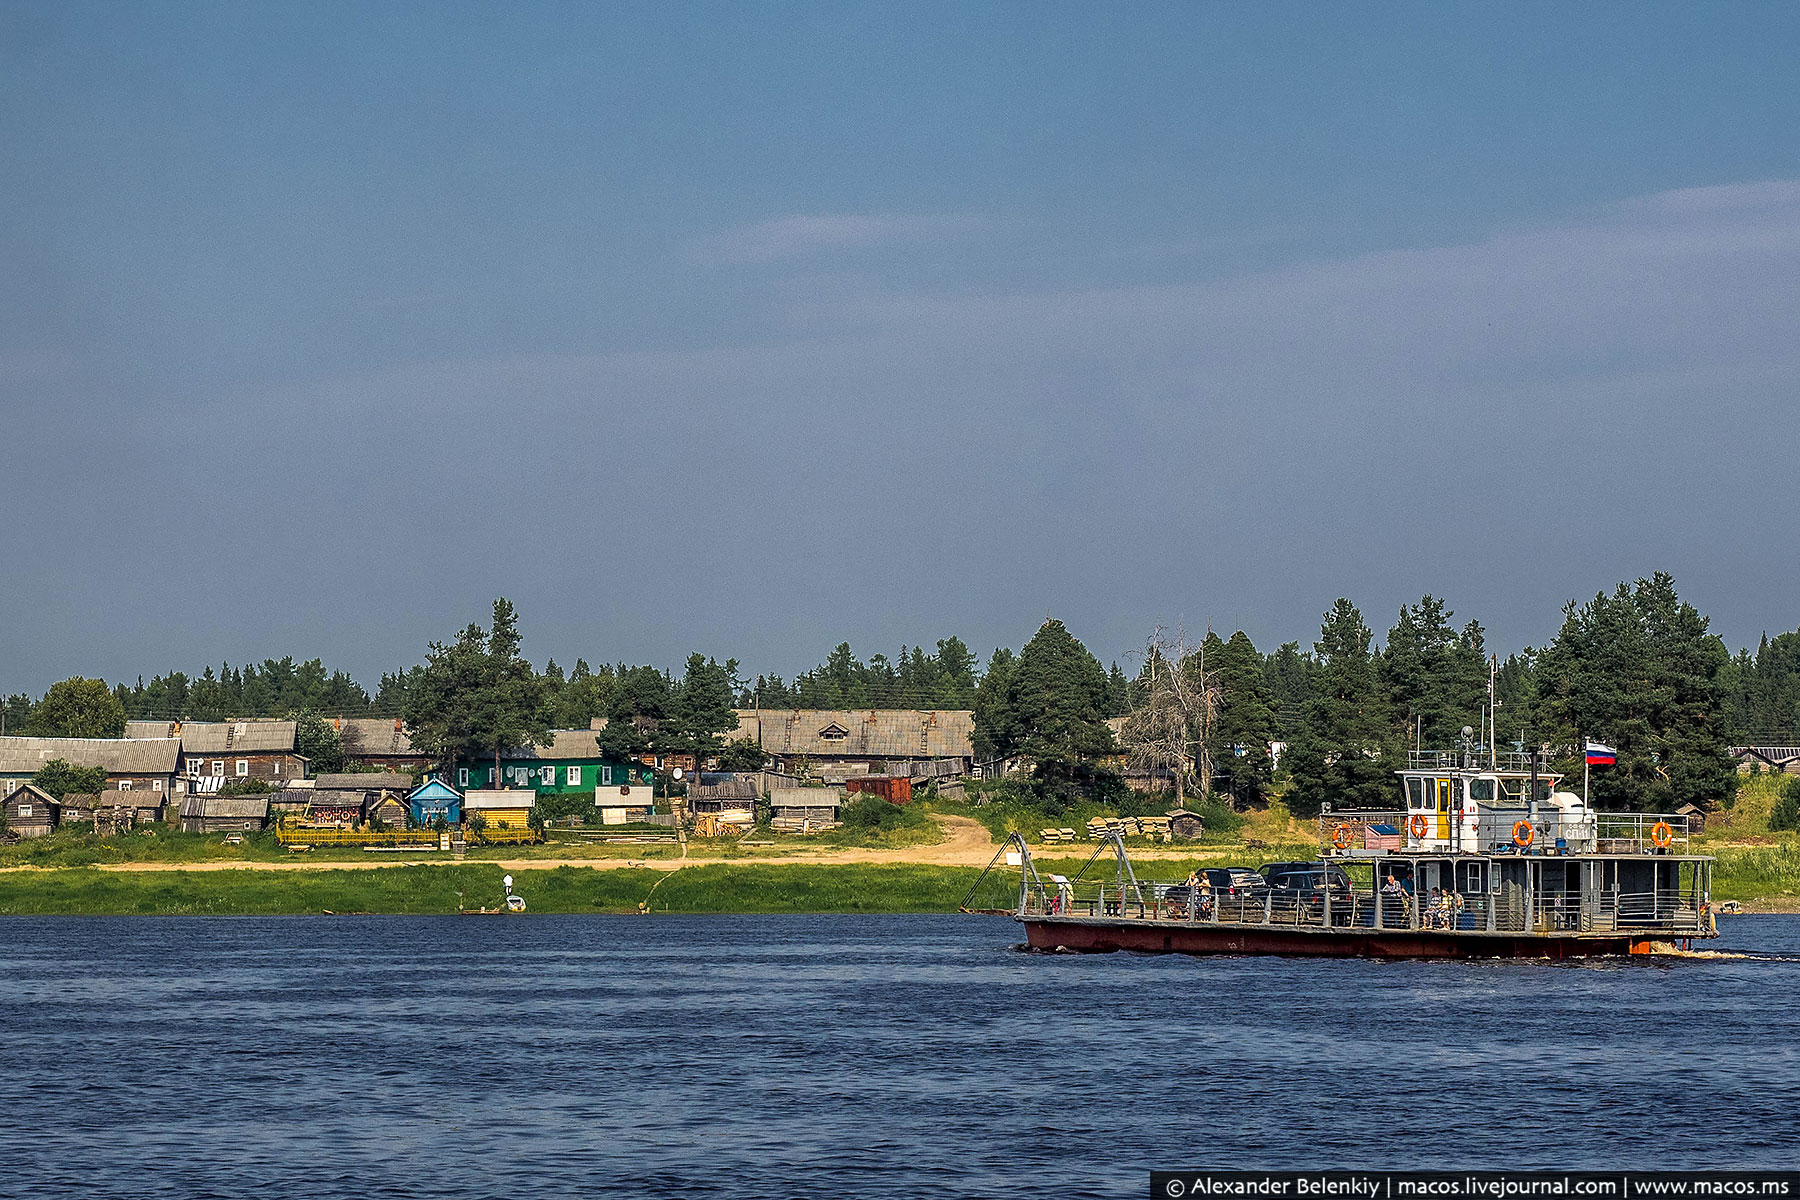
<point x="111" y="811"/>
<point x="804" y="809"/>
<point x="224" y="814"/>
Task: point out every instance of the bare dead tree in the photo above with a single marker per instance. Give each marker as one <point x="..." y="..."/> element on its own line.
<point x="1172" y="727"/>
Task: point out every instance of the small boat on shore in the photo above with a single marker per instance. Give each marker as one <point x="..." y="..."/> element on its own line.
<point x="1485" y="861"/>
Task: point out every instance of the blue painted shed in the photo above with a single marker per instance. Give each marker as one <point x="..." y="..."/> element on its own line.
<point x="433" y="799"/>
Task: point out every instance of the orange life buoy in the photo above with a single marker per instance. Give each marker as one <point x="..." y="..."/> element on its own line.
<point x="1523" y="833"/>
<point x="1340" y="837"/>
<point x="1419" y="825"/>
<point x="1661" y="834"/>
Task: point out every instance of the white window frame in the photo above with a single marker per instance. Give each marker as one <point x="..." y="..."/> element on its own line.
<point x="124" y="785"/>
<point x="24" y="810"/>
<point x="243" y="768"/>
<point x="547" y="776"/>
<point x="605" y="775"/>
<point x="572" y="776"/>
<point x="218" y="765"/>
<point x="276" y="766"/>
<point x="462" y="777"/>
<point x="156" y="785"/>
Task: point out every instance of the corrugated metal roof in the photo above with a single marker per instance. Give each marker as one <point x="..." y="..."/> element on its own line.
<point x="258" y="736"/>
<point x="120" y="756"/>
<point x="564" y="744"/>
<point x="890" y="732"/>
<point x="509" y="798"/>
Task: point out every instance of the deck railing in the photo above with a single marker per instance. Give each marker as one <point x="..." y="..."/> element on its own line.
<point x="1496" y="831"/>
<point x="1672" y="911"/>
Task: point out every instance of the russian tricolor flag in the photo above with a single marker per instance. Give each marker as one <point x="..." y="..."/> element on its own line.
<point x="1600" y="756"/>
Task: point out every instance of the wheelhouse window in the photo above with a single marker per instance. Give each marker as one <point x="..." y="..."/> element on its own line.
<point x="1481" y="791"/>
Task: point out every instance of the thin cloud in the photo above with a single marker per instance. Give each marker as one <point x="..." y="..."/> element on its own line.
<point x="798" y="236"/>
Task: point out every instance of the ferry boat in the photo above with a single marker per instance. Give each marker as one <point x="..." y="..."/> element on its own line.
<point x="1486" y="860"/>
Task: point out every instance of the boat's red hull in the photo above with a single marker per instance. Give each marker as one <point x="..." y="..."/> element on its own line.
<point x="1175" y="937"/>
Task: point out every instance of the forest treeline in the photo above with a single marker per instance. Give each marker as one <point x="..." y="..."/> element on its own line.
<point x="1636" y="668"/>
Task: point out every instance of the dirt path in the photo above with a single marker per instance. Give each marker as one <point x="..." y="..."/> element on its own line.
<point x="966" y="844"/>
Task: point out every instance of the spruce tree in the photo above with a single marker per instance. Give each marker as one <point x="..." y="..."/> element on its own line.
<point x="1343" y="755"/>
<point x="1246" y="720"/>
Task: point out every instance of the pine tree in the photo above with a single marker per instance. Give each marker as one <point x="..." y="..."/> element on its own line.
<point x="1637" y="670"/>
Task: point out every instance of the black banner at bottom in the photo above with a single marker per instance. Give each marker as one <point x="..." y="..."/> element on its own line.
<point x="1473" y="1185"/>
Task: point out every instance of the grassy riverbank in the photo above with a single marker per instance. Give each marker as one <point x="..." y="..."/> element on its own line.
<point x="720" y="888"/>
<point x="1764" y="877"/>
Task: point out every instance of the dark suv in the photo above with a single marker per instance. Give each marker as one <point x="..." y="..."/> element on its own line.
<point x="1304" y="890"/>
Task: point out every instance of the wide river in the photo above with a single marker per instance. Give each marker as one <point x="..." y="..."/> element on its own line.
<point x="825" y="1056"/>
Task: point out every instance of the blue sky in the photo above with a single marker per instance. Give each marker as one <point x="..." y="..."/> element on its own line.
<point x="753" y="329"/>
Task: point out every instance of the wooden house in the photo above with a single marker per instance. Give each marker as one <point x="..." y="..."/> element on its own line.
<point x="387" y="808"/>
<point x="1186" y="825"/>
<point x="1696" y="817"/>
<point x="224" y="814"/>
<point x="379" y="742"/>
<point x="434" y="801"/>
<point x="263" y="748"/>
<point x="570" y="761"/>
<point x="1773" y="760"/>
<point x="835" y="744"/>
<point x="31" y="811"/>
<point x="145" y="765"/>
<point x="500" y="808"/>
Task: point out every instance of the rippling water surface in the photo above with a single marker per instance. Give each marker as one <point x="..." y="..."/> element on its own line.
<point x="819" y="1056"/>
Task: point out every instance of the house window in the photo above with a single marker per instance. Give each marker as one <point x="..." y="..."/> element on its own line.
<point x="124" y="785"/>
<point x="194" y="768"/>
<point x="25" y="809"/>
<point x="243" y="767"/>
<point x="605" y="776"/>
<point x="547" y="776"/>
<point x="462" y="777"/>
<point x="834" y="733"/>
<point x="218" y="768"/>
<point x="156" y="785"/>
<point x="276" y="766"/>
<point x="572" y="776"/>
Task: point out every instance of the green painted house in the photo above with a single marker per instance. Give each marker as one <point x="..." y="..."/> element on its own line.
<point x="570" y="763"/>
